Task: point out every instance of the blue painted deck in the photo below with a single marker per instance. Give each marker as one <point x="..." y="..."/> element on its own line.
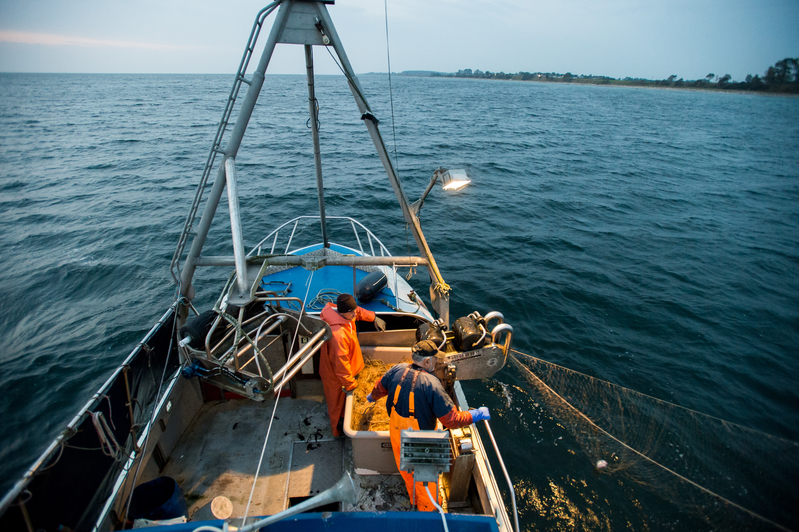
<point x="328" y="278"/>
<point x="337" y="278"/>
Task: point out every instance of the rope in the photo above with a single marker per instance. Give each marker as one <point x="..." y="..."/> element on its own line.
<point x="442" y="287"/>
<point x="349" y="79"/>
<point x="325" y="296"/>
<point x="155" y="404"/>
<point x="316" y="116"/>
<point x="58" y="457"/>
<point x="272" y="417"/>
<point x="108" y="442"/>
<point x="645" y="457"/>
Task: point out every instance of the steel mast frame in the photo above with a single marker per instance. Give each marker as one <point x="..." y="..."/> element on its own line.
<point x="305" y="22"/>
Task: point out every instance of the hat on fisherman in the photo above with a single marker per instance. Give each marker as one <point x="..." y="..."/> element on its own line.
<point x="425" y="348"/>
<point x="346" y="303"/>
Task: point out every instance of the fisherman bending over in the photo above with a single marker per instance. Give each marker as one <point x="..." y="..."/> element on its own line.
<point x="416" y="398"/>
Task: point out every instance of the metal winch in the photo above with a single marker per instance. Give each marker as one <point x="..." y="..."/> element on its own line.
<point x="470" y="350"/>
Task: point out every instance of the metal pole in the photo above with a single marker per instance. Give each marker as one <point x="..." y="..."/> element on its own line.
<point x="299" y="260"/>
<point x="235" y="229"/>
<point x="317" y="154"/>
<point x="507" y="477"/>
<point x="309" y="346"/>
<point x="439" y="294"/>
<point x="232" y="149"/>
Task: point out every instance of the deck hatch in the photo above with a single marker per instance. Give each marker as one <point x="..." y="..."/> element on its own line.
<point x="315" y="466"/>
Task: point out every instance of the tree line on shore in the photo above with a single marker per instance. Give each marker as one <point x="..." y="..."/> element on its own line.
<point x="783" y="76"/>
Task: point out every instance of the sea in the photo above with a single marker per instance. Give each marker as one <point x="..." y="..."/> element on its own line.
<point x="638" y="240"/>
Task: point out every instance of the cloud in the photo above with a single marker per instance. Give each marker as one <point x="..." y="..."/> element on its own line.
<point x="50" y="39"/>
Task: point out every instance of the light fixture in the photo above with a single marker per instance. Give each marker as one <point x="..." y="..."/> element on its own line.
<point x="454" y="180"/>
<point x="451" y="180"/>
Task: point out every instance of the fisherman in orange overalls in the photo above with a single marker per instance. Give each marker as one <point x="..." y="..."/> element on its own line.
<point x="416" y="398"/>
<point x="341" y="359"/>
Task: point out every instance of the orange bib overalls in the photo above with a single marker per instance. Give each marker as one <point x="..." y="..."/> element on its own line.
<point x="397" y="423"/>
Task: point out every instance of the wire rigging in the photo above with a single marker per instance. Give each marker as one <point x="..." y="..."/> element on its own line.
<point x="390" y="91"/>
<point x="274" y="409"/>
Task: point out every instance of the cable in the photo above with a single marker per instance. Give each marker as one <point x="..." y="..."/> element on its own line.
<point x="155" y="409"/>
<point x="316" y="116"/>
<point x="390" y="91"/>
<point x="440" y="510"/>
<point x="351" y="81"/>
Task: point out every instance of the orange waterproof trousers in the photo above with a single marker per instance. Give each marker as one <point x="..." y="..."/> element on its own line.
<point x="396" y="424"/>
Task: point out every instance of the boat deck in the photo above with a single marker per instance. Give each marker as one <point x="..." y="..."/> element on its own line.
<point x="218" y="455"/>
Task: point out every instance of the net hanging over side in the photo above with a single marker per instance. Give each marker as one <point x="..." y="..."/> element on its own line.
<point x="736" y="478"/>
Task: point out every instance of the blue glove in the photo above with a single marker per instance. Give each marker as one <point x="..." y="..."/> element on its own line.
<point x="480" y="414"/>
<point x="370" y="398"/>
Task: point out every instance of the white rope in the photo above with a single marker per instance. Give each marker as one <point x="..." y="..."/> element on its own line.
<point x="274" y="409"/>
<point x="325" y="296"/>
<point x="108" y="443"/>
<point x="440" y="510"/>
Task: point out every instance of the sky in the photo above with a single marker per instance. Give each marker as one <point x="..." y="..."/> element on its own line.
<point x="650" y="39"/>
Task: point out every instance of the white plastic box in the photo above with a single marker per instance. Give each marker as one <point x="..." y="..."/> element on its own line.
<point x="371" y="449"/>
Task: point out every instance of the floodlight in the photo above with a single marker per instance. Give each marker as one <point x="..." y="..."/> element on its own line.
<point x="454" y="180"/>
<point x="451" y="180"/>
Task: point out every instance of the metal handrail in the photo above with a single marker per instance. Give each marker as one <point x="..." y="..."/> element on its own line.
<point x="256" y="250"/>
<point x="297" y="360"/>
<point x="495" y="332"/>
<point x="216" y="147"/>
<point x="505" y="472"/>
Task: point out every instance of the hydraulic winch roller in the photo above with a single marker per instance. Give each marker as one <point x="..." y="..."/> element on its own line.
<point x="470" y="349"/>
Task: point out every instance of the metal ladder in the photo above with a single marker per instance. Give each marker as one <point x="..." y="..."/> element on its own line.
<point x="216" y="147"/>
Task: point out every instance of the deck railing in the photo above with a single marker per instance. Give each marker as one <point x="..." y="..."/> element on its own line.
<point x="290" y="230"/>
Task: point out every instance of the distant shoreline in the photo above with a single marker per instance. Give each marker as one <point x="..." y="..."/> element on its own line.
<point x="769" y="85"/>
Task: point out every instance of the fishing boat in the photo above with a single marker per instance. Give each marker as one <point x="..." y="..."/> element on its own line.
<point x="217" y="420"/>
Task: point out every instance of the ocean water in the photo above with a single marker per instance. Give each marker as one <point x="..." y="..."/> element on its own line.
<point x="647" y="238"/>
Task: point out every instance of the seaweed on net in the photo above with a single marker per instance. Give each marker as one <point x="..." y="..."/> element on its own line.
<point x="734" y="477"/>
<point x="366" y="415"/>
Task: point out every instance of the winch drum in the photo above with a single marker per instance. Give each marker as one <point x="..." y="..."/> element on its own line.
<point x="468" y="334"/>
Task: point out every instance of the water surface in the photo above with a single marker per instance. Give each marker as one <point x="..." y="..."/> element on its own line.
<point x="644" y="237"/>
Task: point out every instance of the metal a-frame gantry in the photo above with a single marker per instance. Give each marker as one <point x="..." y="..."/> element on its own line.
<point x="305" y="22"/>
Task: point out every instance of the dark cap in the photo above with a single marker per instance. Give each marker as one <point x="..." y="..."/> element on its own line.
<point x="425" y="348"/>
<point x="346" y="303"/>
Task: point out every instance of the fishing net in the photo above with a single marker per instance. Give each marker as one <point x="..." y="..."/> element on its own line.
<point x="735" y="478"/>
